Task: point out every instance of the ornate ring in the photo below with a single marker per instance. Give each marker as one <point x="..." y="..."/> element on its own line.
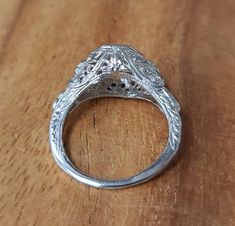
<point x="115" y="71"/>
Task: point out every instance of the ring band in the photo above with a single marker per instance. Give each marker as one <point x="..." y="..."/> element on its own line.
<point x="115" y="71"/>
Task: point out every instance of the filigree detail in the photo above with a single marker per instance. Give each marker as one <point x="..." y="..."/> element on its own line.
<point x="145" y="68"/>
<point x="108" y="59"/>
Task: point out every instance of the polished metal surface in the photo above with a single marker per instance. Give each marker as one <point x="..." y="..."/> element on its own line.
<point x="115" y="71"/>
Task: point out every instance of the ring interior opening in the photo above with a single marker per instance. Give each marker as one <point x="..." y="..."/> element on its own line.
<point x="114" y="138"/>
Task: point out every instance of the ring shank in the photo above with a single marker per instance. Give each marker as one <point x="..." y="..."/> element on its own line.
<point x="166" y="105"/>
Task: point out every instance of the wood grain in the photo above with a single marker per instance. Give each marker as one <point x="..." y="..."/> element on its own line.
<point x="193" y="44"/>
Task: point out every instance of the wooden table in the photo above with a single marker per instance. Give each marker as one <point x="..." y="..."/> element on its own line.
<point x="192" y="43"/>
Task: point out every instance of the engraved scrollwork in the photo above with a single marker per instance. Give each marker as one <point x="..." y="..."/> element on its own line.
<point x="171" y="109"/>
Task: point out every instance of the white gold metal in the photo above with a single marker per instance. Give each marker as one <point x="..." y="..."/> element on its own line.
<point x="115" y="71"/>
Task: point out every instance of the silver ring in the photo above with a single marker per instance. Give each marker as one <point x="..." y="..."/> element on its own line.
<point x="115" y="71"/>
